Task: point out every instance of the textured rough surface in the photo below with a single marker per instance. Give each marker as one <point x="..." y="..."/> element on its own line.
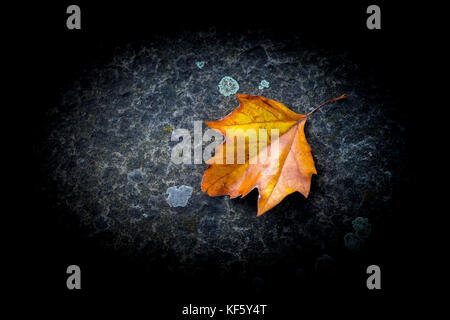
<point x="107" y="153"/>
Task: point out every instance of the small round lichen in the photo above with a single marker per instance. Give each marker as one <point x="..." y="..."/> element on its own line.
<point x="228" y="86"/>
<point x="362" y="227"/>
<point x="263" y="84"/>
<point x="353" y="241"/>
<point x="200" y="64"/>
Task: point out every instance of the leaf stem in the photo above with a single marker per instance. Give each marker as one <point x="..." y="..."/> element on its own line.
<point x="344" y="96"/>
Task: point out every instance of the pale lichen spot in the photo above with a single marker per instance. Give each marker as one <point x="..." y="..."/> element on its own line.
<point x="179" y="196"/>
<point x="200" y="64"/>
<point x="263" y="84"/>
<point x="228" y="86"/>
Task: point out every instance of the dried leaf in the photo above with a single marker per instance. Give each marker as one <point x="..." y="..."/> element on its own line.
<point x="277" y="169"/>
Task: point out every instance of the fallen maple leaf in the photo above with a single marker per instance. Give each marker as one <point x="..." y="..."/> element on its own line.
<point x="279" y="171"/>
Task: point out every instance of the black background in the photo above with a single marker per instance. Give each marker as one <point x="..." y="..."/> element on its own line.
<point x="50" y="56"/>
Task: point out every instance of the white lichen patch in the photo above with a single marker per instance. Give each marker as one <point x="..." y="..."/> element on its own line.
<point x="228" y="86"/>
<point x="179" y="196"/>
<point x="263" y="84"/>
<point x="200" y="64"/>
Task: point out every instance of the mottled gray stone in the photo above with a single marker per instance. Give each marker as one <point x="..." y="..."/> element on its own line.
<point x="107" y="151"/>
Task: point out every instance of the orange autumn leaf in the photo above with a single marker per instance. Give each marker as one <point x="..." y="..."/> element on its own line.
<point x="275" y="158"/>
